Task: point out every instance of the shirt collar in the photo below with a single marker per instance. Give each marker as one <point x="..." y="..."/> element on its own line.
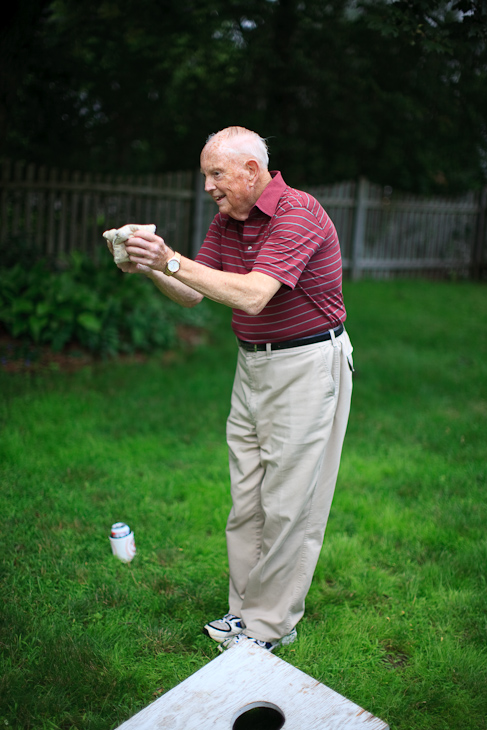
<point x="269" y="198"/>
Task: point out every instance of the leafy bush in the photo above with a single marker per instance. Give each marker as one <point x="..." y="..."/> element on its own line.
<point x="92" y="304"/>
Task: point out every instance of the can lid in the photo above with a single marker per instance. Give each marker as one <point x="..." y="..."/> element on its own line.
<point x="120" y="529"/>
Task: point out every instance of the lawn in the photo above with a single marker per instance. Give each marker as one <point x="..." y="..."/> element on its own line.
<point x="396" y="616"/>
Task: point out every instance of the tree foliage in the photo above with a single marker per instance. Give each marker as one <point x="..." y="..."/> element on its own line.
<point x="394" y="90"/>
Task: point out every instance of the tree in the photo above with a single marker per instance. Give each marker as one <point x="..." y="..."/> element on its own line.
<point x="393" y="90"/>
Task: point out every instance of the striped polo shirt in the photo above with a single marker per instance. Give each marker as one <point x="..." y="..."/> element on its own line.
<point x="289" y="237"/>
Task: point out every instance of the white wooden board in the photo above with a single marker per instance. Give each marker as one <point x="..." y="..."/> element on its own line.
<point x="212" y="697"/>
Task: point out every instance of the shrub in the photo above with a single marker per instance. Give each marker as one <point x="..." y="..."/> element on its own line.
<point x="92" y="304"/>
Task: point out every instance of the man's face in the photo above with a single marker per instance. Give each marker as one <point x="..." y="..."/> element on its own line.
<point x="227" y="180"/>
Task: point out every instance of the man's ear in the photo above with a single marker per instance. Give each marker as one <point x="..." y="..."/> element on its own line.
<point x="254" y="169"/>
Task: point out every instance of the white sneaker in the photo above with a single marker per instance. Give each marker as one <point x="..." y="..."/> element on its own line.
<point x="224" y="628"/>
<point x="268" y="645"/>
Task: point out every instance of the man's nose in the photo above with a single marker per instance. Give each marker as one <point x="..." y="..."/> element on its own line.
<point x="209" y="184"/>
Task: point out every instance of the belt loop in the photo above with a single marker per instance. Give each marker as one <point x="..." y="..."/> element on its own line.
<point x="268" y="349"/>
<point x="333" y="338"/>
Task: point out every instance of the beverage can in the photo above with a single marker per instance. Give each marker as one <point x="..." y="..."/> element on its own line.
<point x="122" y="541"/>
<point x="120" y="529"/>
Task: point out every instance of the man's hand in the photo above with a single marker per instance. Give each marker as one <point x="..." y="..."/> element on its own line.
<point x="128" y="267"/>
<point x="131" y="267"/>
<point x="148" y="251"/>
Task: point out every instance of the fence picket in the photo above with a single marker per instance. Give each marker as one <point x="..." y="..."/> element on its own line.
<point x="478" y="254"/>
<point x="6" y="173"/>
<point x="41" y="208"/>
<point x="18" y="175"/>
<point x="51" y="221"/>
<point x="29" y="200"/>
<point x="82" y="235"/>
<point x="358" y="240"/>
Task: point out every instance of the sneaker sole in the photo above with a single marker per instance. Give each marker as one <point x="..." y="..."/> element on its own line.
<point x="217" y="635"/>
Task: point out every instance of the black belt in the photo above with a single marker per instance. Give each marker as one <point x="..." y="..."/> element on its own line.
<point x="254" y="347"/>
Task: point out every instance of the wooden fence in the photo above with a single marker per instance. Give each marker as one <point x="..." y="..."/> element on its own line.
<point x="62" y="212"/>
<point x="382" y="232"/>
<point x="386" y="233"/>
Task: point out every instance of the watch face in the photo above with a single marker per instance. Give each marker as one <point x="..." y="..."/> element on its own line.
<point x="173" y="265"/>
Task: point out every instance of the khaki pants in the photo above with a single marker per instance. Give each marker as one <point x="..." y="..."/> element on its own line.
<point x="285" y="431"/>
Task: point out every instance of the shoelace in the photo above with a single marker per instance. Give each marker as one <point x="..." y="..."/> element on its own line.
<point x="228" y="617"/>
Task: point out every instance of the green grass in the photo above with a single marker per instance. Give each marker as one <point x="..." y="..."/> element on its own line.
<point x="396" y="616"/>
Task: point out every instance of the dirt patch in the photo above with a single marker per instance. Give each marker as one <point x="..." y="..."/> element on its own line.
<point x="17" y="356"/>
<point x="396" y="660"/>
<point x="22" y="357"/>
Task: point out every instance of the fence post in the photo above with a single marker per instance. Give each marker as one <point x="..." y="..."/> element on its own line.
<point x="479" y="255"/>
<point x="359" y="228"/>
<point x="5" y="167"/>
<point x="197" y="234"/>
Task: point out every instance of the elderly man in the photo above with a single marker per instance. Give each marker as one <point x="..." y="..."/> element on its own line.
<point x="272" y="255"/>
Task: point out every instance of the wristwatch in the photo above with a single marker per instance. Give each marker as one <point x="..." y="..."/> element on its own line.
<point x="173" y="265"/>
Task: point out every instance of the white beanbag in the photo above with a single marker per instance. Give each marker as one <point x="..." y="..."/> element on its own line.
<point x="118" y="236"/>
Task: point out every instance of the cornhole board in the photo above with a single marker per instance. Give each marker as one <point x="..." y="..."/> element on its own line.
<point x="247" y="677"/>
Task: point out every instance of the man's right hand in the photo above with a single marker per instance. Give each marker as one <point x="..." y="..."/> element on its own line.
<point x="117" y="238"/>
<point x="128" y="267"/>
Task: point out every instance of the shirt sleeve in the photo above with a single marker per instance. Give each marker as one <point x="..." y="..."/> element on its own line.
<point x="295" y="235"/>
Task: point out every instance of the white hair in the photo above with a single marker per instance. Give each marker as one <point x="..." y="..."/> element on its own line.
<point x="246" y="143"/>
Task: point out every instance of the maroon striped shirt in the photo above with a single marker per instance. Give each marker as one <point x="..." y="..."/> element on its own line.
<point x="290" y="237"/>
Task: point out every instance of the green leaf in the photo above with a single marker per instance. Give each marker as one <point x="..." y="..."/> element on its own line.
<point x="89" y="322"/>
<point x="36" y="325"/>
<point x="65" y="313"/>
<point x="22" y="306"/>
<point x="43" y="308"/>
